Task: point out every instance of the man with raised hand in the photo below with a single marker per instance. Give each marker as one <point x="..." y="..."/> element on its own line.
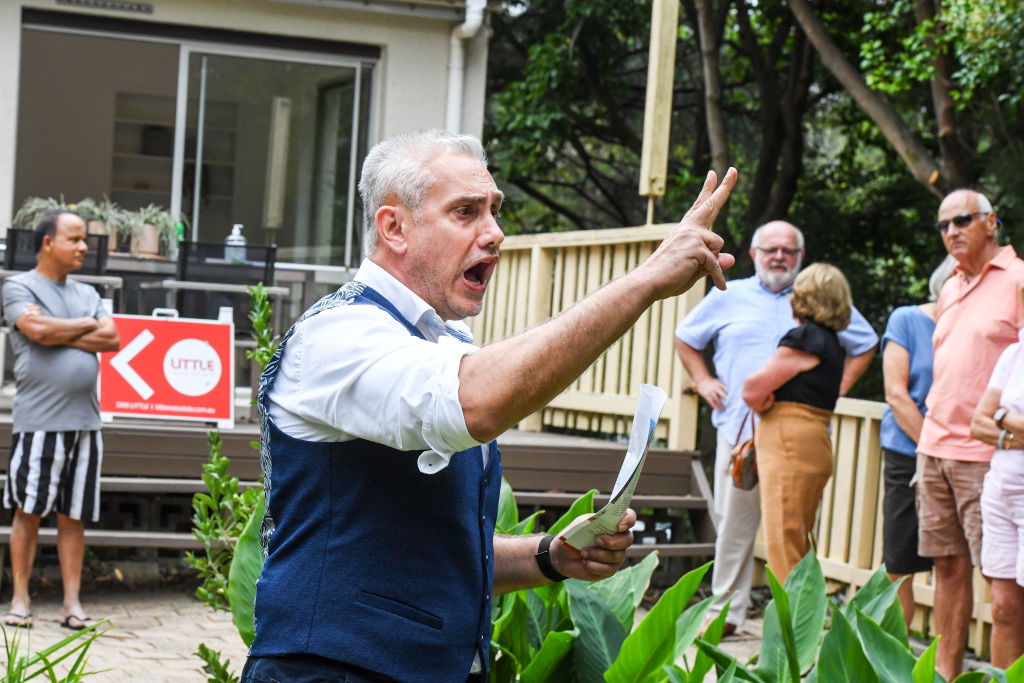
<point x="746" y="322"/>
<point x="378" y="417"/>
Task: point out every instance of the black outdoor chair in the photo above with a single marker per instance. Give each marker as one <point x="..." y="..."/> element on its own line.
<point x="209" y="278"/>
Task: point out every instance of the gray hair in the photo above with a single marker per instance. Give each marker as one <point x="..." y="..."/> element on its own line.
<point x="755" y="241"/>
<point x="943" y="272"/>
<point x="399" y="167"/>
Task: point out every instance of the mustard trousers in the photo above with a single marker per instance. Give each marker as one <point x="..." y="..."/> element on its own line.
<point x="794" y="462"/>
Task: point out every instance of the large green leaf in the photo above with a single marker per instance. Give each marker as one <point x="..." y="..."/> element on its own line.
<point x="779" y="664"/>
<point x="508" y="513"/>
<point x="504" y="666"/>
<point x="877" y="584"/>
<point x="805" y="587"/>
<point x="245" y="571"/>
<point x="891" y="659"/>
<point x="724" y="660"/>
<point x="970" y="677"/>
<point x="885" y="610"/>
<point x="689" y="623"/>
<point x="600" y="632"/>
<point x="584" y="505"/>
<point x="550" y="662"/>
<point x="652" y="644"/>
<point x="702" y="663"/>
<point x="842" y="658"/>
<point x="1015" y="672"/>
<point x="998" y="675"/>
<point x="526" y="525"/>
<point x="624" y="590"/>
<point x="511" y="631"/>
<point x="924" y="669"/>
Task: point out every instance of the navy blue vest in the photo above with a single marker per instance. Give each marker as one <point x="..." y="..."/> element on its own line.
<point x="369" y="561"/>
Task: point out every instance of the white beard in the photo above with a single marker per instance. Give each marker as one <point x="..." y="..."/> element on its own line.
<point x="775" y="280"/>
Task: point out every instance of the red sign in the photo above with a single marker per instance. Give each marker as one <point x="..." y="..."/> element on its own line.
<point x="170" y="368"/>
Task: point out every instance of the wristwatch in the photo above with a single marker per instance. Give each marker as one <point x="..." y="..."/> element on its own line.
<point x="1000" y="416"/>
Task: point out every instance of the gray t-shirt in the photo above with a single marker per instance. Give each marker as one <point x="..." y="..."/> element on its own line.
<point x="56" y="385"/>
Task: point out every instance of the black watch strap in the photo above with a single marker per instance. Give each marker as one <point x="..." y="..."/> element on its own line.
<point x="543" y="558"/>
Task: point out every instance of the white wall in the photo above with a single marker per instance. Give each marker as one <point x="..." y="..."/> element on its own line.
<point x="412" y="82"/>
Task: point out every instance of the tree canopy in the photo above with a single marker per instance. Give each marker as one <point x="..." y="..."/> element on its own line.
<point x="849" y="118"/>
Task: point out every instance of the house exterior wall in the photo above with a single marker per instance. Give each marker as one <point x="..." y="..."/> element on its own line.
<point x="412" y="77"/>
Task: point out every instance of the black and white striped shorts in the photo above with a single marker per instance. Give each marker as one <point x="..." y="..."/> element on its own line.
<point x="56" y="471"/>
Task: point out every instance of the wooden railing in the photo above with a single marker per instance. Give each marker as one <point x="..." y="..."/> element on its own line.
<point x="541" y="275"/>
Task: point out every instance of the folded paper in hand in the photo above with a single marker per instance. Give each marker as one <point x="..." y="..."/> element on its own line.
<point x="583" y="531"/>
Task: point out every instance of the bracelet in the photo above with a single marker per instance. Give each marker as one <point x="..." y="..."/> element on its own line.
<point x="1003" y="442"/>
<point x="543" y="558"/>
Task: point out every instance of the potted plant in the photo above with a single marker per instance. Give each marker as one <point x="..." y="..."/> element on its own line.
<point x="159" y="230"/>
<point x="33" y="209"/>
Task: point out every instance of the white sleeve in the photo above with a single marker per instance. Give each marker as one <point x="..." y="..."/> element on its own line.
<point x="356" y="372"/>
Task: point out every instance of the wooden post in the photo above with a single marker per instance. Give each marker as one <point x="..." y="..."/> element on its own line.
<point x="542" y="264"/>
<point x="658" y="110"/>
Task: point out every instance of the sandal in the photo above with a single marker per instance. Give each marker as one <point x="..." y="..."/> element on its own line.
<point x="18" y="620"/>
<point x="76" y="623"/>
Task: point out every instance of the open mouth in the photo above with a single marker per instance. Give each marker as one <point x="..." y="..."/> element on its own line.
<point x="477" y="275"/>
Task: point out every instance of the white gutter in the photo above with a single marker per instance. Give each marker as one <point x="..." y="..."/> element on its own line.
<point x="457" y="62"/>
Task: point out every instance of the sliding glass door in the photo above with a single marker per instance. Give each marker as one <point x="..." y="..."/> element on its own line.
<point x="274" y="145"/>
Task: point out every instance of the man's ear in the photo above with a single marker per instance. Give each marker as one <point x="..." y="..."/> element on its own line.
<point x="392" y="220"/>
<point x="991" y="223"/>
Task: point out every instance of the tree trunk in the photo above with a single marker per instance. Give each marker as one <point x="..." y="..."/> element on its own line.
<point x="710" y="40"/>
<point x="896" y="131"/>
<point x="956" y="170"/>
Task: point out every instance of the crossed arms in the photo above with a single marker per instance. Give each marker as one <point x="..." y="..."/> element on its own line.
<point x="93" y="335"/>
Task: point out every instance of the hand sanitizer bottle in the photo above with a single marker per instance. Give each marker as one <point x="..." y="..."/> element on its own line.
<point x="234" y="245"/>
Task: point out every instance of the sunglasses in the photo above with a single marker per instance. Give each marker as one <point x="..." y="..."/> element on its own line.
<point x="960" y="221"/>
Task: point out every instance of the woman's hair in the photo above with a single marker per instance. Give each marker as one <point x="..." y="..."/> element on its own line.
<point x="822" y="294"/>
<point x="939" y="276"/>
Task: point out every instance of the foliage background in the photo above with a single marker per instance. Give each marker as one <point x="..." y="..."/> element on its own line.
<point x="566" y="87"/>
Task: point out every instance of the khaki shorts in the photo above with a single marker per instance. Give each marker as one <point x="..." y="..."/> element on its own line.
<point x="949" y="507"/>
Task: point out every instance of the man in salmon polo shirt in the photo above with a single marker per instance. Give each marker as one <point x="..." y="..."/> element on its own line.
<point x="979" y="314"/>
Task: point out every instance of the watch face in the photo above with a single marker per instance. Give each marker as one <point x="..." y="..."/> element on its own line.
<point x="1000" y="414"/>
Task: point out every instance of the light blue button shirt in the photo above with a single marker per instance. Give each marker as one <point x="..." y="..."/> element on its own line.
<point x="746" y="322"/>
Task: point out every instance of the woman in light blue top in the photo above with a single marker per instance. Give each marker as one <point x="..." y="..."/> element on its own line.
<point x="907" y="370"/>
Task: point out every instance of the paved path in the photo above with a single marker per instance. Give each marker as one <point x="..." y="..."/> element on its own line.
<point x="153" y="636"/>
<point x="155" y="632"/>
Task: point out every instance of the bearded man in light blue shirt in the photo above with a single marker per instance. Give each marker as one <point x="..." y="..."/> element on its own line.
<point x="746" y="322"/>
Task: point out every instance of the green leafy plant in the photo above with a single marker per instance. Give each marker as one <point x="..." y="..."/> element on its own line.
<point x="216" y="669"/>
<point x="33" y="208"/>
<point x="164" y="222"/>
<point x="582" y="631"/>
<point x="24" y="667"/>
<point x="219" y="516"/>
<point x="260" y="313"/>
<point x="866" y="639"/>
<point x="228" y="521"/>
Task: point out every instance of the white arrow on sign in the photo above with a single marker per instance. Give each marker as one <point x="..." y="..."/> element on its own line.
<point x="120" y="362"/>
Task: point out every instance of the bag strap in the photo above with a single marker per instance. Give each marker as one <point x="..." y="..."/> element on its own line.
<point x="750" y="414"/>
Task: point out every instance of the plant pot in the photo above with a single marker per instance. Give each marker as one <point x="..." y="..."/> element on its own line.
<point x="147" y="243"/>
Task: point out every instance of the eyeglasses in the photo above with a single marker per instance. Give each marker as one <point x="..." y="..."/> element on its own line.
<point x="960" y="221"/>
<point x="783" y="251"/>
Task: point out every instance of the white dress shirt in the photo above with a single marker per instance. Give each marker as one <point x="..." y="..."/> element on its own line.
<point x="356" y="372"/>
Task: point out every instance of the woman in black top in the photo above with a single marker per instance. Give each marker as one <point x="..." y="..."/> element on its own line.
<point x="795" y="393"/>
